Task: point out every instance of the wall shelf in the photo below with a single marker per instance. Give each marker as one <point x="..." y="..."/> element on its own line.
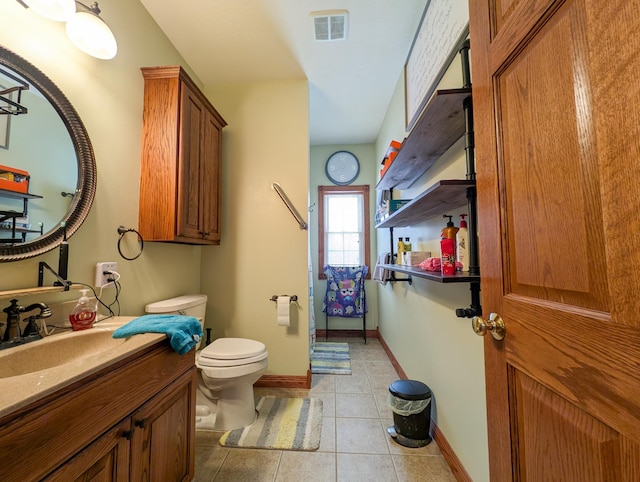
<point x="432" y="275"/>
<point x="443" y="196"/>
<point x="440" y="125"/>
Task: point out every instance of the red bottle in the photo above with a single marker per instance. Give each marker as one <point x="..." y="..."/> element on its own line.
<point x="447" y="256"/>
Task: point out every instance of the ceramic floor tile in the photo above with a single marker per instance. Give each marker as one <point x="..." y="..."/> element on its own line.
<point x="249" y="465"/>
<point x="328" y="435"/>
<point x="383" y="367"/>
<point x="328" y="402"/>
<point x="354" y="444"/>
<point x="358" y="367"/>
<point x="353" y="384"/>
<point x="381" y="381"/>
<point x="360" y="435"/>
<point x="323" y="383"/>
<point x="308" y="466"/>
<point x="428" y="469"/>
<point x="356" y="467"/>
<point x="209" y="459"/>
<point x="356" y="405"/>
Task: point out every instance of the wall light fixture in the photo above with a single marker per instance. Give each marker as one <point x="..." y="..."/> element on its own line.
<point x="85" y="28"/>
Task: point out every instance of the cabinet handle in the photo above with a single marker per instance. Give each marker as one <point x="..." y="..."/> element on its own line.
<point x="142" y="423"/>
<point x="127" y="434"/>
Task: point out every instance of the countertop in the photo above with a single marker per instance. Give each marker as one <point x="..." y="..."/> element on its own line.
<point x="80" y="354"/>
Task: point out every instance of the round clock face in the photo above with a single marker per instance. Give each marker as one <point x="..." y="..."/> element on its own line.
<point x="342" y="168"/>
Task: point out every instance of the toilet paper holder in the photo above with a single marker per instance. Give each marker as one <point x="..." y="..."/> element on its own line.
<point x="292" y="298"/>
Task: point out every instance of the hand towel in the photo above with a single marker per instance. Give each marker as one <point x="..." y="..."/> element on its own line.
<point x="184" y="332"/>
<point x="379" y="274"/>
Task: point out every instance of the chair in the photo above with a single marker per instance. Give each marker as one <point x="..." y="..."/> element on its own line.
<point x="345" y="296"/>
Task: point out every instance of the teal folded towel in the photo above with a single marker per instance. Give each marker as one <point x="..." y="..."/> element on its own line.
<point x="184" y="332"/>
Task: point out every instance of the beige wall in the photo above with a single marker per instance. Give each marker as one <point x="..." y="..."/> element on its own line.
<point x="263" y="251"/>
<point x="418" y="322"/>
<point x="108" y="98"/>
<point x="368" y="168"/>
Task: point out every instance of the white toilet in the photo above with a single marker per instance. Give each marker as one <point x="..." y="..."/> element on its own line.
<point x="227" y="370"/>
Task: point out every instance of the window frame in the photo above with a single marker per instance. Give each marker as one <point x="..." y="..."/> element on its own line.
<point x="323" y="191"/>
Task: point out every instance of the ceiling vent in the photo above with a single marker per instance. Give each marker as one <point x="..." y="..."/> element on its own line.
<point x="330" y="25"/>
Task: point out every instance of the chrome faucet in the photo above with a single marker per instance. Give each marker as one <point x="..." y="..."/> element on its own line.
<point x="12" y="326"/>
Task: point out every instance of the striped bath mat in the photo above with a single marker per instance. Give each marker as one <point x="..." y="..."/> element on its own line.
<point x="333" y="358"/>
<point x="282" y="424"/>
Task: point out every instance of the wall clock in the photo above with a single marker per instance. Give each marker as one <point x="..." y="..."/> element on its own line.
<point x="342" y="168"/>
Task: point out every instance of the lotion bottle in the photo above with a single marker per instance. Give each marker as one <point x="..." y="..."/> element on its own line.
<point x="462" y="245"/>
<point x="400" y="256"/>
<point x="449" y="232"/>
<point x="83" y="314"/>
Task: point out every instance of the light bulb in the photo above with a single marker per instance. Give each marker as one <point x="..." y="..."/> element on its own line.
<point x="92" y="35"/>
<point x="58" y="10"/>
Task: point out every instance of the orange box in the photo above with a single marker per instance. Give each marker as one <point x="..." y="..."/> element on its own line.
<point x="13" y="179"/>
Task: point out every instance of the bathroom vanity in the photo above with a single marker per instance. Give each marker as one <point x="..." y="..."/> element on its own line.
<point x="131" y="418"/>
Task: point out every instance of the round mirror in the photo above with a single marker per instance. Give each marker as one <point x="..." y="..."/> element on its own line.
<point x="47" y="165"/>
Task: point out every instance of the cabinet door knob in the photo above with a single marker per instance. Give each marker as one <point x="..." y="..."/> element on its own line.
<point x="127" y="434"/>
<point x="142" y="423"/>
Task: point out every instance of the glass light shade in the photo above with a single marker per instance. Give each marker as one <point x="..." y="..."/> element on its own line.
<point x="58" y="10"/>
<point x="90" y="34"/>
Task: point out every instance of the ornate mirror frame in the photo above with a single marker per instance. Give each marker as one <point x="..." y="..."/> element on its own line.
<point x="87" y="176"/>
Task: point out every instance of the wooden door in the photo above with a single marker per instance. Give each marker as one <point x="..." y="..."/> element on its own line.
<point x="163" y="444"/>
<point x="557" y="117"/>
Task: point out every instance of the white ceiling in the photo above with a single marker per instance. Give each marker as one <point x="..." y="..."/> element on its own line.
<point x="350" y="81"/>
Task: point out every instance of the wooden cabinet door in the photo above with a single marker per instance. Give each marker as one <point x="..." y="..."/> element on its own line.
<point x="210" y="178"/>
<point x="163" y="444"/>
<point x="105" y="460"/>
<point x="192" y="129"/>
<point x="557" y="118"/>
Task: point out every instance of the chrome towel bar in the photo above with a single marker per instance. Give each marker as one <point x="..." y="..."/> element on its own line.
<point x="303" y="225"/>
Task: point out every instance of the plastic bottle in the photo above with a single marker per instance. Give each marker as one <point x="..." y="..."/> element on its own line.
<point x="448" y="247"/>
<point x="406" y="258"/>
<point x="462" y="245"/>
<point x="83" y="314"/>
<point x="447" y="256"/>
<point x="400" y="250"/>
<point x="449" y="231"/>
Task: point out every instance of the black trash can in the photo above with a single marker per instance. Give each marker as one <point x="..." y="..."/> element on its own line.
<point x="410" y="402"/>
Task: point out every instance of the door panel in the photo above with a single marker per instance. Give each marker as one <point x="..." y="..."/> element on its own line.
<point x="555" y="89"/>
<point x="554" y="223"/>
<point x="192" y="116"/>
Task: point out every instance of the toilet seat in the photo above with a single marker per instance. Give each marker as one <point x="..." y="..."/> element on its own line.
<point x="231" y="352"/>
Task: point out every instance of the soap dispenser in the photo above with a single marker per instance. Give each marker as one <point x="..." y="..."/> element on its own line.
<point x="448" y="247"/>
<point x="83" y="314"/>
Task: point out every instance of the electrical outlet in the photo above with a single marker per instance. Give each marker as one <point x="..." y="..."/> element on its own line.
<point x="101" y="278"/>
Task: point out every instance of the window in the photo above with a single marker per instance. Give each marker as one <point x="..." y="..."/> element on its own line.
<point x="343" y="226"/>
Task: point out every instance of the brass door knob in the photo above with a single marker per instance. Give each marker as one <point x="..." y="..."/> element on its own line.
<point x="495" y="326"/>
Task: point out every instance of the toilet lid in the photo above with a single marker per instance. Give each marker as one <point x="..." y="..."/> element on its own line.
<point x="232" y="352"/>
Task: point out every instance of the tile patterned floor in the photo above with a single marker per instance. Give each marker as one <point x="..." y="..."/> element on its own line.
<point x="354" y="445"/>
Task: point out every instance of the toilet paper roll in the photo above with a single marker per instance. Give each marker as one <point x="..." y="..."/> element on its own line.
<point x="283" y="303"/>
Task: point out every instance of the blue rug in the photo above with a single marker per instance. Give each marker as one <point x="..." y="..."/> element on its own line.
<point x="332" y="358"/>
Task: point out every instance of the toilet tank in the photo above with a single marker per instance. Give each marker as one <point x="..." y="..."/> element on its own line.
<point x="190" y="305"/>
